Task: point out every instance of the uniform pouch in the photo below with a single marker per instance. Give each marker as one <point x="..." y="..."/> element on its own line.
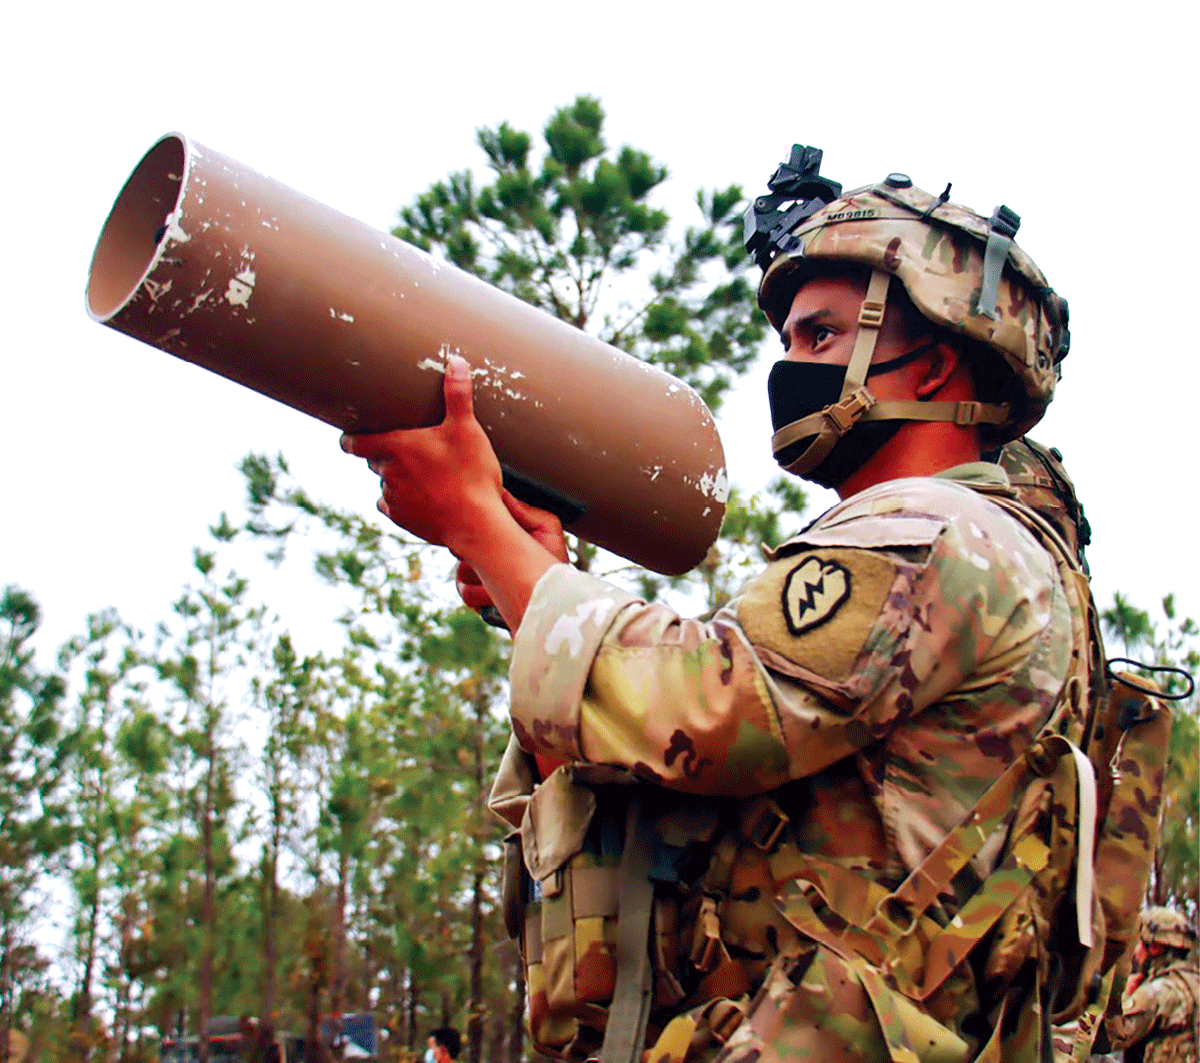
<point x="571" y="854"/>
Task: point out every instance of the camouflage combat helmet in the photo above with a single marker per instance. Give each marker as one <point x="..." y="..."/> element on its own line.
<point x="962" y="272"/>
<point x="1166" y="927"/>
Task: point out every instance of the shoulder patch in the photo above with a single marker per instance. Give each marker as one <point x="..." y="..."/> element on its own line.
<point x="818" y="608"/>
<point x="813" y="591"/>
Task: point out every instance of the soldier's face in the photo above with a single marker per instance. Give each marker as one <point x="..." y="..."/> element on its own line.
<point x="822" y="324"/>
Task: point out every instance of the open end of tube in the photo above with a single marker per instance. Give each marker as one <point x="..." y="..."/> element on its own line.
<point x="136" y="227"/>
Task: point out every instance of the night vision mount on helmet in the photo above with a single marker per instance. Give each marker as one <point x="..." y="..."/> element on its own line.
<point x="963" y="273"/>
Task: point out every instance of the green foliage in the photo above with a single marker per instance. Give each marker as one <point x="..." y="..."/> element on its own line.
<point x="572" y="230"/>
<point x="405" y="722"/>
<point x="34" y="758"/>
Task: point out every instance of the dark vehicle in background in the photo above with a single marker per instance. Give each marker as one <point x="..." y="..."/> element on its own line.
<point x="232" y="1040"/>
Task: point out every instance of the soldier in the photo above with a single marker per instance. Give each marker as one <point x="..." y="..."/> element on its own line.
<point x="838" y="818"/>
<point x="443" y="1045"/>
<point x="1158" y="1020"/>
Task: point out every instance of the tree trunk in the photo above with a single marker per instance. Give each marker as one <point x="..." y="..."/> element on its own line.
<point x="516" y="1021"/>
<point x="270" y="903"/>
<point x="6" y="986"/>
<point x="337" y="981"/>
<point x="207" y="912"/>
<point x="475" y="1006"/>
<point x="410" y="1040"/>
<point x="83" y="1009"/>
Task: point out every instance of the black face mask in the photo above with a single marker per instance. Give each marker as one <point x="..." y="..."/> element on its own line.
<point x="797" y="389"/>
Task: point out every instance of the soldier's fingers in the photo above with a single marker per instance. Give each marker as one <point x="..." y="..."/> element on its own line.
<point x="540" y="523"/>
<point x="464" y="574"/>
<point x="474" y="596"/>
<point x="372" y="447"/>
<point x="457" y="389"/>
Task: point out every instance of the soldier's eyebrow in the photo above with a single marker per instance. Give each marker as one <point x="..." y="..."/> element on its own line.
<point x="790" y="328"/>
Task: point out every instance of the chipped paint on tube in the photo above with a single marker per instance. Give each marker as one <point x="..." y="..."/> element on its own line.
<point x="218" y="264"/>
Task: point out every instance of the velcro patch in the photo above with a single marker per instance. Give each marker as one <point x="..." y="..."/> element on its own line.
<point x="818" y="608"/>
<point x="813" y="592"/>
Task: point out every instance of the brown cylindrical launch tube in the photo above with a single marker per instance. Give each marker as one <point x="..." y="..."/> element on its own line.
<point x="220" y="265"/>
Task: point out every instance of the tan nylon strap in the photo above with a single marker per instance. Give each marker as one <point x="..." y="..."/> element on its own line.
<point x="625" y="1032"/>
<point x="533" y="936"/>
<point x="962" y="413"/>
<point x="935" y="873"/>
<point x="1085" y="858"/>
<point x="870" y="319"/>
<point x="834" y="422"/>
<point x="800" y="914"/>
<point x="836" y="418"/>
<point x="831" y="423"/>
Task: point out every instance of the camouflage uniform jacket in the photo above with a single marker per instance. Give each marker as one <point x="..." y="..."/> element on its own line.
<point x="1161" y="1017"/>
<point x="882" y="671"/>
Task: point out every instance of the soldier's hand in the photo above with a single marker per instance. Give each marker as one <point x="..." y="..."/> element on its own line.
<point x="544" y="526"/>
<point x="442" y="483"/>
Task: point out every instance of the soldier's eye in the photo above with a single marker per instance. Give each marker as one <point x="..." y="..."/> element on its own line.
<point x="820" y="334"/>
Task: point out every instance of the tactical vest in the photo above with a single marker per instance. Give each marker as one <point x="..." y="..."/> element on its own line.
<point x="621" y="896"/>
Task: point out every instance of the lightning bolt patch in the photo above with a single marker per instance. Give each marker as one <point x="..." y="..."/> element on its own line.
<point x="813" y="592"/>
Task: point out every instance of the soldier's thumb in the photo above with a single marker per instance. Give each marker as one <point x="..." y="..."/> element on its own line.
<point x="457" y="388"/>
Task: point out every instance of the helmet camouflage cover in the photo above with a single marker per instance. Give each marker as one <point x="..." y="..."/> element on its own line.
<point x="962" y="271"/>
<point x="1167" y="927"/>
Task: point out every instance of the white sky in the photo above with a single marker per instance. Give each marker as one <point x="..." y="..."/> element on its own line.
<point x="119" y="455"/>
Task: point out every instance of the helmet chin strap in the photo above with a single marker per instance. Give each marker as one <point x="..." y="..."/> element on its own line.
<point x="857" y="403"/>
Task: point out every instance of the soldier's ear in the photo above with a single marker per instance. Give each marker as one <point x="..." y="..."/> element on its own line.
<point x="941" y="363"/>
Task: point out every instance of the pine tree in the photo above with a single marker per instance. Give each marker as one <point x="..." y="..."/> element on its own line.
<point x="571" y="229"/>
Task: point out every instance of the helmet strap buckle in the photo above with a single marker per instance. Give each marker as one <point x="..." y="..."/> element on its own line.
<point x="843" y="414"/>
<point x="870" y="314"/>
<point x="967" y="412"/>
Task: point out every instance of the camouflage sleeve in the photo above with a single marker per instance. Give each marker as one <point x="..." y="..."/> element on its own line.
<point x="1139" y="1012"/>
<point x="855" y="628"/>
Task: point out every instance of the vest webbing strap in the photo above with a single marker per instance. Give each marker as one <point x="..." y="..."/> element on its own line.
<point x="886" y="937"/>
<point x="900" y="1021"/>
<point x="625" y="1031"/>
